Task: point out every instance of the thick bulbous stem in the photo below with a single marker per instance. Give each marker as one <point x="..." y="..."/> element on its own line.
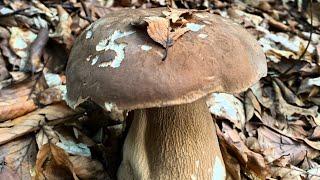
<point x="175" y="142"/>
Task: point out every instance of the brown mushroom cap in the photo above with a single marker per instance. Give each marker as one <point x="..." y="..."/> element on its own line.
<point x="220" y="57"/>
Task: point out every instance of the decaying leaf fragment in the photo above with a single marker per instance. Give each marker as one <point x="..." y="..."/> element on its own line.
<point x="34" y="120"/>
<point x="275" y="146"/>
<point x="175" y="14"/>
<point x="52" y="163"/>
<point x="14" y="101"/>
<point x="226" y="106"/>
<point x="160" y="31"/>
<point x="166" y="30"/>
<point x="252" y="162"/>
<point x="17" y="158"/>
<point x="64" y="27"/>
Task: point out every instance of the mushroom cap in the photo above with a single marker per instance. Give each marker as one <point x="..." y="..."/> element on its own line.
<point x="118" y="65"/>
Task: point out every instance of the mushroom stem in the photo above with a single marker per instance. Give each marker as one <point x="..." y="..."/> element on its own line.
<point x="175" y="142"/>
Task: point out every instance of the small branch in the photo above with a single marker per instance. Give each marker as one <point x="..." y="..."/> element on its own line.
<point x="309" y="41"/>
<point x="86" y="11"/>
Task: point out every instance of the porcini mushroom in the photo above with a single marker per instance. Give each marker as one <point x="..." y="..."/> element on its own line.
<point x="172" y="136"/>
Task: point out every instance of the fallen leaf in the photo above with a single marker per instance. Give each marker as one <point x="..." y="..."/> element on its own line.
<point x="58" y="162"/>
<point x="307" y="84"/>
<point x="231" y="163"/>
<point x="253" y="162"/>
<point x="292" y="129"/>
<point x="33" y="121"/>
<point x="19" y="42"/>
<point x="35" y="51"/>
<point x="73" y="148"/>
<point x="19" y="157"/>
<point x="275" y="146"/>
<point x="288" y="110"/>
<point x="160" y="31"/>
<point x="226" y="106"/>
<point x="52" y="95"/>
<point x="288" y="173"/>
<point x="289" y="95"/>
<point x="250" y="105"/>
<point x="175" y="14"/>
<point x="4" y="46"/>
<point x="258" y="91"/>
<point x="45" y="135"/>
<point x="87" y="168"/>
<point x="4" y="74"/>
<point x="14" y="101"/>
<point x="63" y="29"/>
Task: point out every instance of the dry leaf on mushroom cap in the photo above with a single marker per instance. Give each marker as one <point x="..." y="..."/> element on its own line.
<point x="166" y="30"/>
<point x="160" y="31"/>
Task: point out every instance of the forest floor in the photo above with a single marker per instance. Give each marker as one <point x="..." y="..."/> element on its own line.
<point x="270" y="131"/>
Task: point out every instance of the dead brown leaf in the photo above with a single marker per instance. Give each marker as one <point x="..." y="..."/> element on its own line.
<point x="19" y="158"/>
<point x="51" y="161"/>
<point x="87" y="168"/>
<point x="4" y="74"/>
<point x="251" y="104"/>
<point x="52" y="95"/>
<point x="292" y="129"/>
<point x="63" y="29"/>
<point x="19" y="42"/>
<point x="251" y="161"/>
<point x="275" y="146"/>
<point x="177" y="14"/>
<point x="36" y="49"/>
<point x="4" y="46"/>
<point x="46" y="135"/>
<point x="287" y="109"/>
<point x="160" y="31"/>
<point x="288" y="94"/>
<point x="53" y="114"/>
<point x="14" y="101"/>
<point x="288" y="173"/>
<point x="231" y="163"/>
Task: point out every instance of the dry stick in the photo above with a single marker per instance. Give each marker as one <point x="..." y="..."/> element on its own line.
<point x="86" y="11"/>
<point x="309" y="40"/>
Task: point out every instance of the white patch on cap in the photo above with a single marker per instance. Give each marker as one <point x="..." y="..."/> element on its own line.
<point x="88" y="58"/>
<point x="94" y="60"/>
<point x="194" y="27"/>
<point x="89" y="34"/>
<point x="203" y="36"/>
<point x="111" y="44"/>
<point x="219" y="172"/>
<point x="146" y="47"/>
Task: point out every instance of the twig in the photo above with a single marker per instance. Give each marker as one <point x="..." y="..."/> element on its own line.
<point x="309" y="40"/>
<point x="86" y="11"/>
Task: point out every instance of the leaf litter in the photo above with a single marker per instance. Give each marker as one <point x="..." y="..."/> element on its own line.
<point x="269" y="131"/>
